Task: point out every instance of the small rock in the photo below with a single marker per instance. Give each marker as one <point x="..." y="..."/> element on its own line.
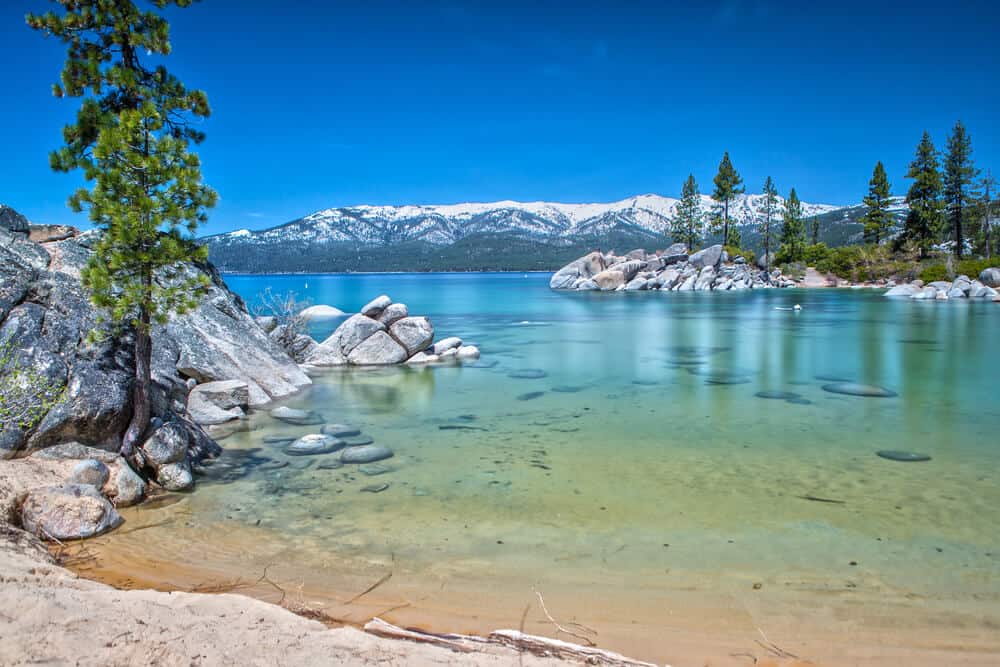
<point x="468" y="352"/>
<point x="453" y="342"/>
<point x="175" y="476"/>
<point x="898" y="455"/>
<point x="90" y="471"/>
<point x="374" y="469"/>
<point x="314" y="443"/>
<point x="68" y="512"/>
<point x="375" y="488"/>
<point x="340" y="430"/>
<point x="857" y="389"/>
<point x="365" y="454"/>
<point x="297" y="417"/>
<point x="375" y="307"/>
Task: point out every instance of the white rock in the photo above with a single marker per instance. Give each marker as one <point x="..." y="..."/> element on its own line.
<point x="393" y="313"/>
<point x="468" y="352"/>
<point x="379" y="349"/>
<point x="415" y="334"/>
<point x="442" y="346"/>
<point x="375" y="307"/>
<point x="321" y="312"/>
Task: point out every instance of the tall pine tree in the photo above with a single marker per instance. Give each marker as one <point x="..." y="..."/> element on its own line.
<point x="770" y="210"/>
<point x="877" y="220"/>
<point x="987" y="213"/>
<point x="131" y="139"/>
<point x="685" y="227"/>
<point x="959" y="177"/>
<point x="925" y="217"/>
<point x="793" y="230"/>
<point x="728" y="184"/>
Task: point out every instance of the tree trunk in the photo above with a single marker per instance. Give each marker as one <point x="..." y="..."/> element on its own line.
<point x="958" y="232"/>
<point x="725" y="224"/>
<point x="140" y="394"/>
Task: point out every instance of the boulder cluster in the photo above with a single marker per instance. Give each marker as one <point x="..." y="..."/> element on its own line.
<point x="672" y="270"/>
<point x="961" y="288"/>
<point x="212" y="356"/>
<point x="384" y="333"/>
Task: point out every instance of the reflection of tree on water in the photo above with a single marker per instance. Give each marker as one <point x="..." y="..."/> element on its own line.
<point x="384" y="390"/>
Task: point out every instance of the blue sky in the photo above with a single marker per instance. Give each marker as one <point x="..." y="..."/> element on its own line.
<point x="319" y="104"/>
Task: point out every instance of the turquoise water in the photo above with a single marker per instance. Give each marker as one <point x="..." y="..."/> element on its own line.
<point x="638" y="466"/>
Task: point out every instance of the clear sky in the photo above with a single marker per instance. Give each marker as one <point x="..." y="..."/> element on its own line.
<point x="318" y="104"/>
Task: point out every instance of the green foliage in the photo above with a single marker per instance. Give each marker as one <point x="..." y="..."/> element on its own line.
<point x="25" y="394"/>
<point x="924" y="220"/>
<point x="966" y="267"/>
<point x="793" y="231"/>
<point x="877" y="219"/>
<point x="728" y="184"/>
<point x="959" y="177"/>
<point x="769" y="213"/>
<point x="685" y="227"/>
<point x="746" y="253"/>
<point x="131" y="140"/>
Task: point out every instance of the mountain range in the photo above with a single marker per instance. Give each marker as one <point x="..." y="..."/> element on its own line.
<point x="505" y="235"/>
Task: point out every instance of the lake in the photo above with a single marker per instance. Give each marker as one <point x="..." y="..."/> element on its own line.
<point x="611" y="456"/>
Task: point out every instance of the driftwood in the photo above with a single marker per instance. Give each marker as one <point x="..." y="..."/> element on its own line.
<point x="513" y="639"/>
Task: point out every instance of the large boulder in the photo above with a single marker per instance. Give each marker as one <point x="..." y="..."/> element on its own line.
<point x="218" y="402"/>
<point x="705" y="279"/>
<point x="353" y="332"/>
<point x="68" y="512"/>
<point x="415" y="334"/>
<point x="710" y="256"/>
<point x="902" y="291"/>
<point x="320" y="312"/>
<point x="379" y="349"/>
<point x="393" y="313"/>
<point x="630" y="268"/>
<point x="609" y="279"/>
<point x="219" y="340"/>
<point x="990" y="277"/>
<point x="585" y="267"/>
<point x="674" y="254"/>
<point x="13" y="221"/>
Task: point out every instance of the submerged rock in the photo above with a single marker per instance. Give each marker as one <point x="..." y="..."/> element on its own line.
<point x="296" y="417"/>
<point x="857" y="389"/>
<point x="528" y="374"/>
<point x="68" y="512"/>
<point x="366" y="454"/>
<point x="899" y="455"/>
<point x="340" y="430"/>
<point x="313" y="444"/>
<point x="779" y="395"/>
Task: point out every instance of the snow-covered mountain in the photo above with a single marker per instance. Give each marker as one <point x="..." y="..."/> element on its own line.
<point x="443" y="225"/>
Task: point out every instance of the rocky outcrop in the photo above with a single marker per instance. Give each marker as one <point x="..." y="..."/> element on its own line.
<point x="670" y="270"/>
<point x="217" y="349"/>
<point x="941" y="290"/>
<point x="382" y="334"/>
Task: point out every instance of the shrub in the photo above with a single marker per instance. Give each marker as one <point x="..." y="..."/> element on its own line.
<point x="746" y="253"/>
<point x="25" y="394"/>
<point x="966" y="267"/>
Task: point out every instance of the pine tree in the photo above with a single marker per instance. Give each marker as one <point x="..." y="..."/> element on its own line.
<point x="877" y="220"/>
<point x="793" y="231"/>
<point x="770" y="210"/>
<point x="814" y="230"/>
<point x="685" y="227"/>
<point x="959" y="176"/>
<point x="728" y="184"/>
<point x="131" y="139"/>
<point x="924" y="220"/>
<point x="987" y="213"/>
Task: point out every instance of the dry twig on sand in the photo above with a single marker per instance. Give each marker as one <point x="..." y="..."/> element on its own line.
<point x="560" y="628"/>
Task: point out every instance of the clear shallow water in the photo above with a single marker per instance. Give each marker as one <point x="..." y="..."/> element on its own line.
<point x="638" y="482"/>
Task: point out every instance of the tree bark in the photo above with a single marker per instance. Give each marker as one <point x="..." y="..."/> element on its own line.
<point x="140" y="393"/>
<point x="725" y="226"/>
